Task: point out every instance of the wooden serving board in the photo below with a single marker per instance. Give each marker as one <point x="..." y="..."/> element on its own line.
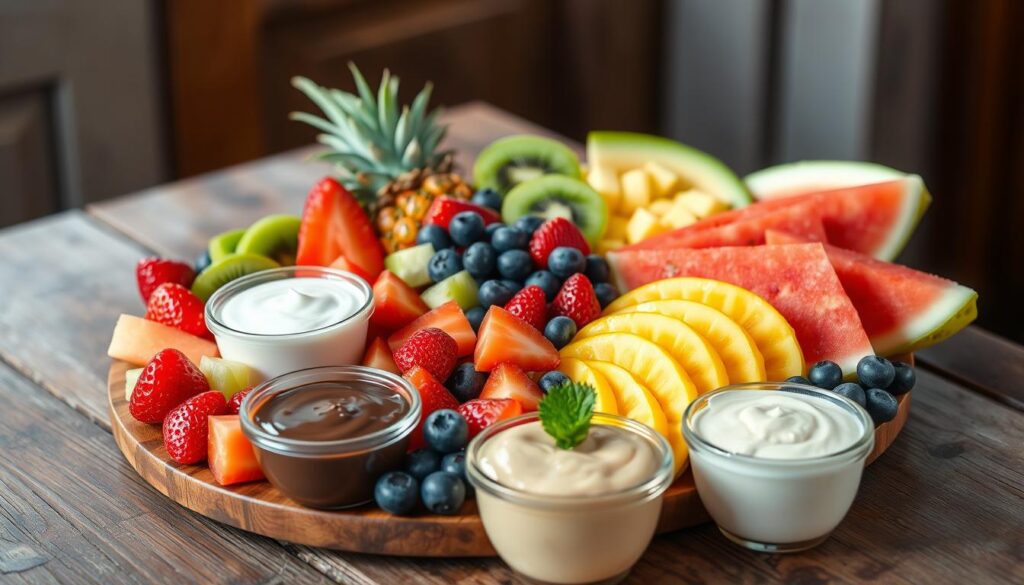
<point x="259" y="507"/>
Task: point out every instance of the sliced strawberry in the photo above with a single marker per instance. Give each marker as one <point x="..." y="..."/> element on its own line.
<point x="577" y="300"/>
<point x="395" y="303"/>
<point x="235" y="404"/>
<point x="431" y="349"/>
<point x="510" y="381"/>
<point x="186" y="428"/>
<point x="167" y="380"/>
<point x="507" y="338"/>
<point x="555" y="233"/>
<point x="152" y="272"/>
<point x="232" y="459"/>
<point x="481" y="413"/>
<point x="530" y="305"/>
<point x="444" y="208"/>
<point x="343" y="263"/>
<point x="433" y="395"/>
<point x="174" y="305"/>
<point x="448" y="318"/>
<point x="333" y="224"/>
<point x="378" y="355"/>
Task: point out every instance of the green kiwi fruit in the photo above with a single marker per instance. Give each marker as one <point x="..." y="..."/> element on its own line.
<point x="227" y="269"/>
<point x="274" y="236"/>
<point x="510" y="161"/>
<point x="554" y="196"/>
<point x="223" y="245"/>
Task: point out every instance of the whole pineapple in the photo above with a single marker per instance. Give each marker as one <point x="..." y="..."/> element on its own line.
<point x="389" y="160"/>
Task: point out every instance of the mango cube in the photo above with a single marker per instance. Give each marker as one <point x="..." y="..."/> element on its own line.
<point x="664" y="180"/>
<point x="636" y="191"/>
<point x="606" y="182"/>
<point x="678" y="216"/>
<point x="616" y="229"/>
<point x="701" y="204"/>
<point x="660" y="206"/>
<point x="605" y="246"/>
<point x="643" y="225"/>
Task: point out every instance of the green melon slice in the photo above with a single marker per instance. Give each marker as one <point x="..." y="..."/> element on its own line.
<point x="798" y="178"/>
<point x="622" y="151"/>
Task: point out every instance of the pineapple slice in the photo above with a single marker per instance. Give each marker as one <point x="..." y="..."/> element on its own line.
<point x="605" y="246"/>
<point x="606" y="182"/>
<point x="578" y="371"/>
<point x="678" y="215"/>
<point x="665" y="181"/>
<point x="636" y="191"/>
<point x="700" y="203"/>
<point x="643" y="225"/>
<point x="634" y="400"/>
<point x="616" y="229"/>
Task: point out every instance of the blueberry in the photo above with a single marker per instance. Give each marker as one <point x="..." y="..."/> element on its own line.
<point x="491" y="228"/>
<point x="510" y="238"/>
<point x="443" y="492"/>
<point x="466" y="227"/>
<point x="396" y="492"/>
<point x="880" y="405"/>
<point x="476" y="316"/>
<point x="422" y="462"/>
<point x="443" y="264"/>
<point x="852" y="391"/>
<point x="560" y="331"/>
<point x="202" y="261"/>
<point x="875" y="372"/>
<point x="479" y="259"/>
<point x="455" y="463"/>
<point x="529" y="223"/>
<point x="825" y="374"/>
<point x="434" y="235"/>
<point x="565" y="261"/>
<point x="606" y="293"/>
<point x="487" y="198"/>
<point x="548" y="282"/>
<point x="465" y="383"/>
<point x="445" y="431"/>
<point x="903" y="380"/>
<point x="515" y="265"/>
<point x="597" y="269"/>
<point x="551" y="380"/>
<point x="512" y="285"/>
<point x="494" y="292"/>
<point x="799" y="380"/>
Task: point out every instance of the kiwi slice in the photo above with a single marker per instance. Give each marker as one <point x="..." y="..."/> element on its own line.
<point x="227" y="269"/>
<point x="510" y="161"/>
<point x="554" y="196"/>
<point x="223" y="245"/>
<point x="274" y="236"/>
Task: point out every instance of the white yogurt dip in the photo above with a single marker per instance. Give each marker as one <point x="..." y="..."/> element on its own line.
<point x="293" y="305"/>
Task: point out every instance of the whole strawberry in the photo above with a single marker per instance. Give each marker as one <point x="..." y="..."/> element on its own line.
<point x="173" y="304"/>
<point x="186" y="427"/>
<point x="235" y="404"/>
<point x="484" y="412"/>
<point x="152" y="272"/>
<point x="530" y="305"/>
<point x="552" y="234"/>
<point x="167" y="380"/>
<point x="431" y="349"/>
<point x="577" y="300"/>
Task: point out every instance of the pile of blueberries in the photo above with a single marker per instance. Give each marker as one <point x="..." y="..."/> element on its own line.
<point x="879" y="382"/>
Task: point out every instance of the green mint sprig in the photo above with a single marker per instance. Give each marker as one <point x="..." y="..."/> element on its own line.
<point x="566" y="411"/>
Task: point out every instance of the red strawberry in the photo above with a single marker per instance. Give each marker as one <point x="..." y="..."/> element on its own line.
<point x="333" y="224"/>
<point x="433" y="395"/>
<point x="431" y="349"/>
<point x="186" y="428"/>
<point x="448" y="318"/>
<point x="507" y="338"/>
<point x="378" y="355"/>
<point x="444" y="208"/>
<point x="235" y="404"/>
<point x="509" y="381"/>
<point x="343" y="263"/>
<point x="395" y="303"/>
<point x="167" y="380"/>
<point x="530" y="305"/>
<point x="553" y="234"/>
<point x="577" y="301"/>
<point x="482" y="413"/>
<point x="152" y="272"/>
<point x="175" y="305"/>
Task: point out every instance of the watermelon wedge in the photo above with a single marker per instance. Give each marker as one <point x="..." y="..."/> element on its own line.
<point x="902" y="309"/>
<point x="810" y="176"/>
<point x="872" y="219"/>
<point x="797" y="280"/>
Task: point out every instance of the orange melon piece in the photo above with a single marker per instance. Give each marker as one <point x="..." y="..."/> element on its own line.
<point x="229" y="452"/>
<point x="137" y="340"/>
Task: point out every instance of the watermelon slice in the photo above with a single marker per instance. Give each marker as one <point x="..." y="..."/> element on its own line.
<point x="810" y="176"/>
<point x="902" y="309"/>
<point x="873" y="219"/>
<point x="797" y="280"/>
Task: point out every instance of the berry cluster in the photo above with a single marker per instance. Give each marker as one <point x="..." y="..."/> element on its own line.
<point x="879" y="381"/>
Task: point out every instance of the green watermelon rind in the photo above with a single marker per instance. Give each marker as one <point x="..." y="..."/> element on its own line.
<point x="816" y="173"/>
<point x="946" y="316"/>
<point x="621" y="151"/>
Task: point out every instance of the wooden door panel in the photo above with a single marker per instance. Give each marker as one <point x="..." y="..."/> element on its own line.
<point x="27" y="171"/>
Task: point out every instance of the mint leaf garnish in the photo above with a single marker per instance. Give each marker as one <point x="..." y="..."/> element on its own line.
<point x="566" y="411"/>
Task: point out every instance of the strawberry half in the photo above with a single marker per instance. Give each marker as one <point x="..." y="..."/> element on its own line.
<point x="433" y="395"/>
<point x="378" y="355"/>
<point x="174" y="305"/>
<point x="167" y="380"/>
<point x="553" y="234"/>
<point x="507" y="338"/>
<point x="150" y="273"/>
<point x="235" y="404"/>
<point x="509" y="381"/>
<point x="343" y="263"/>
<point x="448" y="318"/>
<point x="333" y="225"/>
<point x="444" y="208"/>
<point x="431" y="349"/>
<point x="395" y="303"/>
<point x="577" y="300"/>
<point x="482" y="413"/>
<point x="530" y="305"/>
<point x="186" y="427"/>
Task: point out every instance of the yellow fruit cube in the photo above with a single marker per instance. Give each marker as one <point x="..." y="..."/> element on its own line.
<point x="606" y="182"/>
<point x="660" y="207"/>
<point x="636" y="191"/>
<point x="643" y="225"/>
<point x="701" y="204"/>
<point x="605" y="246"/>
<point x="616" y="229"/>
<point x="679" y="215"/>
<point x="664" y="180"/>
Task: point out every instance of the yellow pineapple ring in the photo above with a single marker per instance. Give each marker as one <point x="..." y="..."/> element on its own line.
<point x="634" y="400"/>
<point x="581" y="372"/>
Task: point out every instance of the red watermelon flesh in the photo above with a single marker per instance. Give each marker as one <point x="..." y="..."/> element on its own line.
<point x="797" y="280"/>
<point x="902" y="309"/>
<point x="873" y="219"/>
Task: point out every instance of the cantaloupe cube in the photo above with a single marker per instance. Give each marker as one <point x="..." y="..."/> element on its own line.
<point x="660" y="207"/>
<point x="606" y="182"/>
<point x="229" y="452"/>
<point x="616" y="229"/>
<point x="643" y="225"/>
<point x="130" y="378"/>
<point x="701" y="204"/>
<point x="605" y="246"/>
<point x="137" y="340"/>
<point x="679" y="215"/>
<point x="663" y="180"/>
<point x="636" y="191"/>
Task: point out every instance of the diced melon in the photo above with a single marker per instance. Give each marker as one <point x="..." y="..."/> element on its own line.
<point x="130" y="378"/>
<point x="605" y="246"/>
<point x="227" y="376"/>
<point x="665" y="181"/>
<point x="616" y="229"/>
<point x="410" y="264"/>
<point x="679" y="215"/>
<point x="459" y="287"/>
<point x="643" y="225"/>
<point x="660" y="206"/>
<point x="137" y="340"/>
<point x="606" y="182"/>
<point x="229" y="452"/>
<point x="700" y="203"/>
<point x="636" y="191"/>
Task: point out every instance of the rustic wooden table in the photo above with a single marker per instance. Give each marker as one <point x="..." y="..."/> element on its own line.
<point x="944" y="505"/>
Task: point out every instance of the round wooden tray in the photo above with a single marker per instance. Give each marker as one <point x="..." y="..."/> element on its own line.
<point x="258" y="507"/>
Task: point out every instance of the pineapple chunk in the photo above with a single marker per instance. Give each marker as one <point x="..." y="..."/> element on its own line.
<point x="605" y="246"/>
<point x="643" y="225"/>
<point x="665" y="181"/>
<point x="701" y="204"/>
<point x="616" y="227"/>
<point x="130" y="378"/>
<point x="660" y="207"/>
<point x="636" y="191"/>
<point x="679" y="215"/>
<point x="606" y="182"/>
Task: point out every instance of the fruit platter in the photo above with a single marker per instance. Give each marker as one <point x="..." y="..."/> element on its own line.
<point x="432" y="361"/>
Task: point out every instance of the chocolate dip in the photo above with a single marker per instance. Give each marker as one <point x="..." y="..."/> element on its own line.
<point x="330" y="411"/>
